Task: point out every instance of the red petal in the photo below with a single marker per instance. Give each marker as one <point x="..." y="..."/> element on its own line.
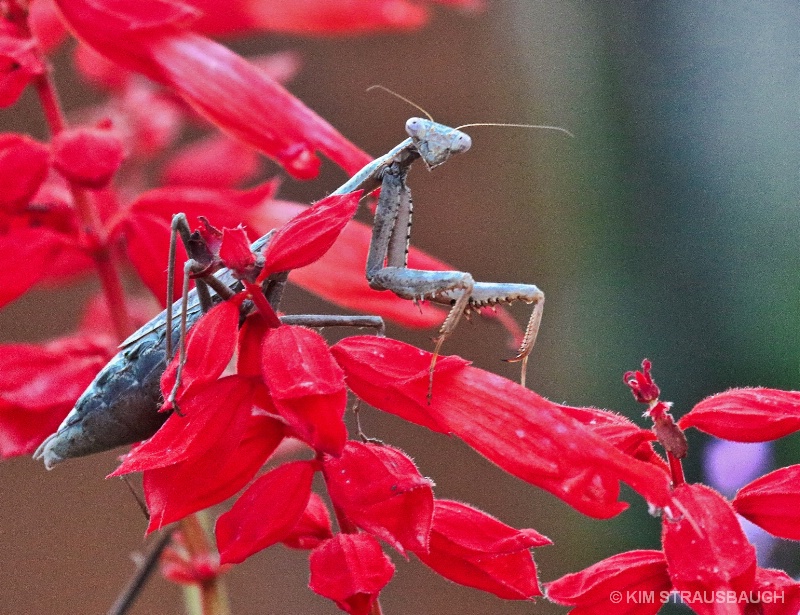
<point x="88" y="157"/>
<point x="147" y="243"/>
<point x="178" y="490"/>
<point x="216" y="161"/>
<point x="633" y="574"/>
<point x="525" y="434"/>
<point x="40" y="385"/>
<point x="339" y="275"/>
<point x="46" y="26"/>
<point x="251" y="337"/>
<point x="221" y="86"/>
<point x="310" y="17"/>
<point x="350" y="569"/>
<point x="380" y="490"/>
<point x="212" y="412"/>
<point x="307" y="386"/>
<point x="209" y="348"/>
<point x="310" y="234"/>
<point x="235" y="250"/>
<point x="475" y="549"/>
<point x="746" y="415"/>
<point x="266" y="512"/>
<point x="777" y="593"/>
<point x="33" y="251"/>
<point x="773" y="502"/>
<point x="705" y="546"/>
<point x="313" y="528"/>
<point x="23" y="167"/>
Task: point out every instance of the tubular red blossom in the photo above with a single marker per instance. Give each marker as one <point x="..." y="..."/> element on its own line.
<point x="306" y="385"/>
<point x="19" y="63"/>
<point x="45" y="25"/>
<point x="591" y="591"/>
<point x="310" y="234"/>
<point x="746" y="415"/>
<point x="523" y="433"/>
<point x="773" y="502"/>
<point x="266" y="513"/>
<point x="88" y="157"/>
<point x="380" y="490"/>
<point x="705" y="547"/>
<point x="23" y="167"/>
<point x="178" y="490"/>
<point x="475" y="549"/>
<point x="218" y="84"/>
<point x="310" y="17"/>
<point x="313" y="528"/>
<point x="216" y="161"/>
<point x="350" y="569"/>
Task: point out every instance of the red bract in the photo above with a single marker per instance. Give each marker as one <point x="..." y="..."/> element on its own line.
<point x="306" y="385"/>
<point x="23" y="168"/>
<point x="313" y="528"/>
<point x="178" y="490"/>
<point x="773" y="502"/>
<point x="525" y="434"/>
<point x="746" y="415"/>
<point x="475" y="549"/>
<point x="265" y="513"/>
<point x="350" y="569"/>
<point x="593" y="591"/>
<point x="310" y="234"/>
<point x="706" y="549"/>
<point x="222" y="87"/>
<point x="88" y="157"/>
<point x="380" y="490"/>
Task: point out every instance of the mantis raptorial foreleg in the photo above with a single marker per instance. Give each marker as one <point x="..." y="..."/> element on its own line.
<point x="387" y="270"/>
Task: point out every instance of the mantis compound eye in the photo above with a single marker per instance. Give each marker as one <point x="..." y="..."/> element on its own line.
<point x="461" y="143"/>
<point x="416" y="127"/>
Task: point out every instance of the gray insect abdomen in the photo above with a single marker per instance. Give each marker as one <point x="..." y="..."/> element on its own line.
<point x="119" y="407"/>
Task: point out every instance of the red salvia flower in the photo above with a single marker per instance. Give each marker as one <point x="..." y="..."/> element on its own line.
<point x="152" y="39"/>
<point x="266" y="513"/>
<point x="475" y="549"/>
<point x="19" y="64"/>
<point x="525" y="434"/>
<point x="380" y="490"/>
<point x="746" y="415"/>
<point x="773" y="502"/>
<point x="351" y="570"/>
<point x="706" y="549"/>
<point x="614" y="584"/>
<point x="216" y="161"/>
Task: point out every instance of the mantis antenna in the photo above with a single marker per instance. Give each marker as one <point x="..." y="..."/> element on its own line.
<point x="558" y="128"/>
<point x="401" y="97"/>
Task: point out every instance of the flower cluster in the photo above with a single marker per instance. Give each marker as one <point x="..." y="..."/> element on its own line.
<point x="81" y="202"/>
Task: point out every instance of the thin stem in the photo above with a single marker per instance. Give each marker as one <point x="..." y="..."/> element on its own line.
<point x="676" y="469"/>
<point x="212" y="592"/>
<point x="91" y="224"/>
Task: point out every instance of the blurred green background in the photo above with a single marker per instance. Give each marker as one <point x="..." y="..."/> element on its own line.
<point x="666" y="229"/>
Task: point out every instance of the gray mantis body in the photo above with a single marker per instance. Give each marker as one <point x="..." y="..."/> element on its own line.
<point x="120" y="406"/>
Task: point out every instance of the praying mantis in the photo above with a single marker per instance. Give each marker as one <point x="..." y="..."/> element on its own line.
<point x="120" y="406"/>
